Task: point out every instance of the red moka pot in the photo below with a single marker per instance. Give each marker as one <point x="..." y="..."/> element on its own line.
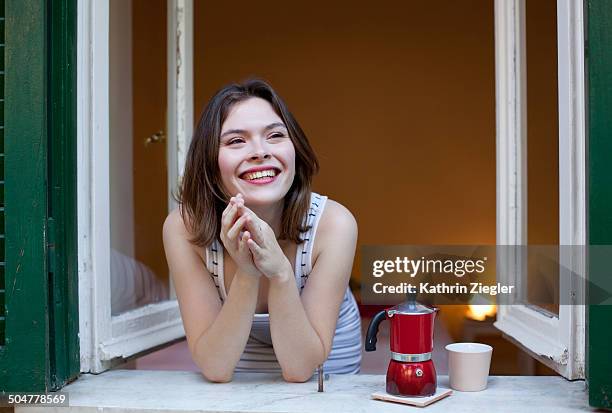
<point x="411" y="371"/>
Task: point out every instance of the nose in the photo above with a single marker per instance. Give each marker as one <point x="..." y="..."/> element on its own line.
<point x="259" y="151"/>
<point x="260" y="155"/>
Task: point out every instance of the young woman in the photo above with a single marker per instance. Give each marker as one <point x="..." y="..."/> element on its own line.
<point x="260" y="263"/>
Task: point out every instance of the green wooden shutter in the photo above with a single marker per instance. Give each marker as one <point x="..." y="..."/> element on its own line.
<point x="599" y="80"/>
<point x="61" y="194"/>
<point x="24" y="357"/>
<point x="40" y="351"/>
<point x="2" y="281"/>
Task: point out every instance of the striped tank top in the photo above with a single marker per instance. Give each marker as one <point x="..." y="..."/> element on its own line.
<point x="258" y="355"/>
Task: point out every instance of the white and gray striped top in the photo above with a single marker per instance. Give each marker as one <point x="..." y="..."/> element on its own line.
<point x="258" y="356"/>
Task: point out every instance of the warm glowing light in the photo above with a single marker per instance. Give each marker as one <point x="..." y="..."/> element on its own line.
<point x="480" y="312"/>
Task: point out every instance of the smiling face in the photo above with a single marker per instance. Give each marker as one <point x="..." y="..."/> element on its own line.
<point x="256" y="155"/>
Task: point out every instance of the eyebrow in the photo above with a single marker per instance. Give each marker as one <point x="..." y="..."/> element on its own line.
<point x="267" y="128"/>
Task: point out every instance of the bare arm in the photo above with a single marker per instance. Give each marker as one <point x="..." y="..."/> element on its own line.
<point x="218" y="348"/>
<point x="297" y="344"/>
<point x="216" y="333"/>
<point x="303" y="327"/>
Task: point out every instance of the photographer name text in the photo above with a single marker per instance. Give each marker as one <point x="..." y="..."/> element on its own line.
<point x="443" y="288"/>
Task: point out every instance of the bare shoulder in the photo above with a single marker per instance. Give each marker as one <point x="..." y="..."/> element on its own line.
<point x="174" y="222"/>
<point x="336" y="217"/>
<point x="175" y="230"/>
<point x="336" y="238"/>
<point x="337" y="228"/>
<point x="174" y="227"/>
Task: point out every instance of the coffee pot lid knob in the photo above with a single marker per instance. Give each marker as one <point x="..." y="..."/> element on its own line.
<point x="411" y="306"/>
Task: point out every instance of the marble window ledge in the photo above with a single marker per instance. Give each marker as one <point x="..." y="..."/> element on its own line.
<point x="146" y="391"/>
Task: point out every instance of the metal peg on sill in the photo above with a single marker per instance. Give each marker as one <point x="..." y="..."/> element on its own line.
<point x="320" y="373"/>
<point x="158" y="136"/>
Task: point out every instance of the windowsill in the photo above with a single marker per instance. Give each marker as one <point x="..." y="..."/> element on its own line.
<point x="183" y="391"/>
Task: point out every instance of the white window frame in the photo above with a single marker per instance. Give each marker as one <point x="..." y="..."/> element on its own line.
<point x="103" y="337"/>
<point x="558" y="342"/>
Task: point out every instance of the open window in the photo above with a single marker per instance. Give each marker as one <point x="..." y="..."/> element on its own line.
<point x="553" y="334"/>
<point x="135" y="117"/>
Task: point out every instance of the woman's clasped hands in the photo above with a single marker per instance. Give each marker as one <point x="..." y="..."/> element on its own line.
<point x="251" y="242"/>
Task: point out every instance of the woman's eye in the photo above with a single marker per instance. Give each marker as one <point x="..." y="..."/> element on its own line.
<point x="233" y="141"/>
<point x="276" y="135"/>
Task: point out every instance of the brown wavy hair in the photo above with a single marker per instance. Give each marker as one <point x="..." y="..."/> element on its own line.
<point x="201" y="195"/>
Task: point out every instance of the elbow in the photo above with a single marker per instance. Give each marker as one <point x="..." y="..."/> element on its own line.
<point x="210" y="367"/>
<point x="303" y="373"/>
<point x="217" y="376"/>
<point x="297" y="376"/>
<point x="214" y="372"/>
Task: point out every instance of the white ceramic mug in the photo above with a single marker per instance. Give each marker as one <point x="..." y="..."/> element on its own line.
<point x="468" y="366"/>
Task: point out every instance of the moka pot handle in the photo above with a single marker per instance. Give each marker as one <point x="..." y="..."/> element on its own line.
<point x="370" y="342"/>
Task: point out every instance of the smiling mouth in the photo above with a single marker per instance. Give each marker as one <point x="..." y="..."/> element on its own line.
<point x="266" y="175"/>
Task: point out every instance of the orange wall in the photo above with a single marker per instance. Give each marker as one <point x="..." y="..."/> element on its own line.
<point x="397" y="98"/>
<point x="542" y="123"/>
<point x="149" y="106"/>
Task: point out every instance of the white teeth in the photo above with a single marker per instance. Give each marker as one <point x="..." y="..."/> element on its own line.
<point x="259" y="174"/>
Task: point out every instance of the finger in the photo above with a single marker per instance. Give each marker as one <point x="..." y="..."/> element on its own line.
<point x="236" y="199"/>
<point x="240" y="206"/>
<point x="236" y="228"/>
<point x="229" y="206"/>
<point x="254" y="226"/>
<point x="242" y="210"/>
<point x="230" y="217"/>
<point x="242" y="245"/>
<point x="255" y="249"/>
<point x="246" y="209"/>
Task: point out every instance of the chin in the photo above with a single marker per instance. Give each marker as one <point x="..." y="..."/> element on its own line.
<point x="264" y="194"/>
<point x="262" y="198"/>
